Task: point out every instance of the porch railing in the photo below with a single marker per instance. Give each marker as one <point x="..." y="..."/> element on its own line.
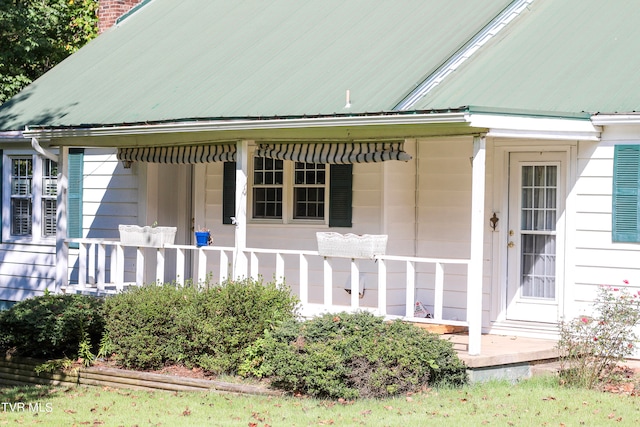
<point x="101" y="267"/>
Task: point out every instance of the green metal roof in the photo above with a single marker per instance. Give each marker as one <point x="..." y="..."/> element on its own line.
<point x="559" y="56"/>
<point x="189" y="59"/>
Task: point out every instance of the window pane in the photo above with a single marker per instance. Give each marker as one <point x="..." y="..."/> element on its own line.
<point x="49" y="217"/>
<point x="309" y="203"/>
<point x="20" y="217"/>
<point x="21" y="187"/>
<point x="267" y="203"/>
<point x="49" y="178"/>
<point x="309" y="191"/>
<point x="268" y="177"/>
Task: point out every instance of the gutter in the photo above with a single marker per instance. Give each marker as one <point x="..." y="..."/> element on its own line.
<point x="616" y="119"/>
<point x="247" y="124"/>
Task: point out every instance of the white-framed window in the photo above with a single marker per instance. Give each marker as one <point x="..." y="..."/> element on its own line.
<point x="309" y="190"/>
<point x="21" y="184"/>
<point x="287" y="191"/>
<point x="49" y="197"/>
<point x="30" y="193"/>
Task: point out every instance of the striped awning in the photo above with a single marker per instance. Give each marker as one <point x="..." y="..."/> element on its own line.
<point x="189" y="154"/>
<point x="336" y="153"/>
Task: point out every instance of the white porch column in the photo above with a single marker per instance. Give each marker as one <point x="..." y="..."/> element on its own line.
<point x="474" y="275"/>
<point x="240" y="264"/>
<point x="62" y="248"/>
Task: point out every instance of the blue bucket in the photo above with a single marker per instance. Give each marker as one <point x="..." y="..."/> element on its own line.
<point x="202" y="238"/>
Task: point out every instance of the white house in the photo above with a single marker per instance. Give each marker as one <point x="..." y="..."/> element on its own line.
<point x="483" y="138"/>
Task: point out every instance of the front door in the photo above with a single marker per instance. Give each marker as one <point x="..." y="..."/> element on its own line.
<point x="536" y="199"/>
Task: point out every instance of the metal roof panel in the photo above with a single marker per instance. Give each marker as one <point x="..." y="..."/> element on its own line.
<point x="218" y="58"/>
<point x="560" y="56"/>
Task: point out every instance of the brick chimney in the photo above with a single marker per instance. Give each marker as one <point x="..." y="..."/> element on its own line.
<point x="110" y="10"/>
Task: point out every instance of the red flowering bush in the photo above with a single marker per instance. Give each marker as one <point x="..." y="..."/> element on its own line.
<point x="591" y="346"/>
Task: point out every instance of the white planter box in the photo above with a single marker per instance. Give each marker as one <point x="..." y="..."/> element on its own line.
<point x="351" y="245"/>
<point x="134" y="235"/>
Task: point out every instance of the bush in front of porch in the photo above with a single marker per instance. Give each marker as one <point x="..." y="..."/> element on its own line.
<point x="52" y="326"/>
<point x="350" y="355"/>
<point x="207" y="327"/>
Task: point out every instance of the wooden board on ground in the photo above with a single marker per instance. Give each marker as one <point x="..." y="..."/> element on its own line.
<point x="441" y="329"/>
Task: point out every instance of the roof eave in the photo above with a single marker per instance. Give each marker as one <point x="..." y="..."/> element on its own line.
<point x="241" y="124"/>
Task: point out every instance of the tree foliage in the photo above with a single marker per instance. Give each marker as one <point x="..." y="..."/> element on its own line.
<point x="35" y="35"/>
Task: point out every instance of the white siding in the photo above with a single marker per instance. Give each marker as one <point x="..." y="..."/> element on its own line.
<point x="598" y="260"/>
<point x="109" y="198"/>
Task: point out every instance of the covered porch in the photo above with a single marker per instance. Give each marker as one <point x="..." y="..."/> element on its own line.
<point x="388" y="285"/>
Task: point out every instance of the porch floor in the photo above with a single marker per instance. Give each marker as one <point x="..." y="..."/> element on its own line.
<point x="506" y="356"/>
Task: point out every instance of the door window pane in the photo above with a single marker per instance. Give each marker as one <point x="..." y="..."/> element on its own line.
<point x="539" y="197"/>
<point x="538" y="266"/>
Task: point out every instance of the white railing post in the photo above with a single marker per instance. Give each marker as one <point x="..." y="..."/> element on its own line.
<point x="255" y="266"/>
<point x="91" y="279"/>
<point x="438" y="297"/>
<point x="304" y="279"/>
<point x="411" y="289"/>
<point x="100" y="267"/>
<point x="119" y="267"/>
<point x="180" y="263"/>
<point x="113" y="264"/>
<point x="355" y="284"/>
<point x="82" y="266"/>
<point x="328" y="282"/>
<point x="139" y="266"/>
<point x="224" y="266"/>
<point x="202" y="267"/>
<point x="160" y="266"/>
<point x="382" y="287"/>
<point x="279" y="268"/>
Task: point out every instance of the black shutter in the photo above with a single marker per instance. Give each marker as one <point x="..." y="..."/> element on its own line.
<point x="229" y="192"/>
<point x="340" y="195"/>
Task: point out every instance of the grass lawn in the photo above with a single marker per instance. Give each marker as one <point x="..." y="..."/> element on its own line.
<point x="537" y="402"/>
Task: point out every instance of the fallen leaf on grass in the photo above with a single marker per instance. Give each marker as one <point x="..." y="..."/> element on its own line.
<point x="548" y="398"/>
<point x="366" y="412"/>
<point x="326" y="422"/>
<point x="69" y="411"/>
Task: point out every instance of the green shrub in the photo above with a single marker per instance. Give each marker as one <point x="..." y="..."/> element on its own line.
<point x="151" y="326"/>
<point x="52" y="326"/>
<point x="354" y="355"/>
<point x="229" y="318"/>
<point x="141" y="324"/>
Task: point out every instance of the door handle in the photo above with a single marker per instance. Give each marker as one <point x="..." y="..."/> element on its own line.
<point x="510" y="244"/>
